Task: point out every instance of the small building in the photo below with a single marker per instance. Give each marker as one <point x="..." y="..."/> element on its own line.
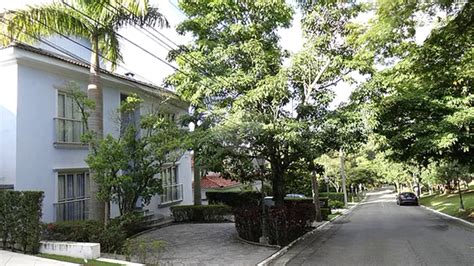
<point x="40" y="147"/>
<point x="215" y="182"/>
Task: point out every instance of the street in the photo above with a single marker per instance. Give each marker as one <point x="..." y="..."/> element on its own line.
<point x="378" y="232"/>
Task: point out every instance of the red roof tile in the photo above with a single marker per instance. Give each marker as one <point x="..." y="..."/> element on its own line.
<point x="214" y="180"/>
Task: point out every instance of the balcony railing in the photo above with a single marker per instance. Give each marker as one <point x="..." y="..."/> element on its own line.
<point x="68" y="130"/>
<point x="172" y="194"/>
<point x="72" y="210"/>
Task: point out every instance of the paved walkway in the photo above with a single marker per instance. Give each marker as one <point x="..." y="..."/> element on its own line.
<point x="8" y="258"/>
<point x="206" y="244"/>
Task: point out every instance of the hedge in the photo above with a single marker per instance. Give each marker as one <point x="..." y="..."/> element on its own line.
<point x="235" y="199"/>
<point x="286" y="223"/>
<point x="20" y="215"/>
<point x="339" y="196"/>
<point x="200" y="213"/>
<point x="111" y="238"/>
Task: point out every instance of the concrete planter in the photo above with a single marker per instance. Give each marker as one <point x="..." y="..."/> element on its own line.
<point x="71" y="249"/>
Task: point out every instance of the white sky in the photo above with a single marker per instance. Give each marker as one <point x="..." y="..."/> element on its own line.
<point x="149" y="69"/>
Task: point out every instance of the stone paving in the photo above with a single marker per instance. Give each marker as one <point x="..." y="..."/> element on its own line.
<point x="206" y="244"/>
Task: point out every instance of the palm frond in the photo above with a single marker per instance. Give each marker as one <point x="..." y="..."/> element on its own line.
<point x="44" y="21"/>
<point x="110" y="47"/>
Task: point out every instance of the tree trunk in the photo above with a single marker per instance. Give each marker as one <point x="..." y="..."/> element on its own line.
<point x="461" y="203"/>
<point x="397" y="184"/>
<point x="343" y="176"/>
<point x="95" y="122"/>
<point x="197" y="182"/>
<point x="314" y="183"/>
<point x="277" y="184"/>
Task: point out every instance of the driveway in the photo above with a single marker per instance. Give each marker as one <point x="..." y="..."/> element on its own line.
<point x="378" y="232"/>
<point x="206" y="244"/>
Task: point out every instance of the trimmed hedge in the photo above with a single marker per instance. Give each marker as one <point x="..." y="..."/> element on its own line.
<point x="339" y="196"/>
<point x="200" y="213"/>
<point x="20" y="215"/>
<point x="285" y="223"/>
<point x="111" y="239"/>
<point x="234" y="199"/>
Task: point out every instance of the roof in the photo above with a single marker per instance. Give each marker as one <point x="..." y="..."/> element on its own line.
<point x="72" y="61"/>
<point x="215" y="180"/>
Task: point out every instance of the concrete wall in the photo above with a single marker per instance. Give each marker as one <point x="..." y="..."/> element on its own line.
<point x="8" y="113"/>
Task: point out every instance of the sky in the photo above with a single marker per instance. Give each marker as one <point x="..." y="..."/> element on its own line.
<point x="149" y="69"/>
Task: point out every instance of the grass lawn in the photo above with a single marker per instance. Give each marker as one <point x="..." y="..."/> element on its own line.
<point x="76" y="260"/>
<point x="449" y="204"/>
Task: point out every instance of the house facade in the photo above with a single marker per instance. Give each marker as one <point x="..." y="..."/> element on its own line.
<point x="40" y="130"/>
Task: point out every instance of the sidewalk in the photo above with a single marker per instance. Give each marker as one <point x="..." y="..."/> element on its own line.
<point x="8" y="258"/>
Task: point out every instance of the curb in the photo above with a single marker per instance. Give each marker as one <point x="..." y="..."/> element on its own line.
<point x="449" y="216"/>
<point x="256" y="243"/>
<point x="285" y="249"/>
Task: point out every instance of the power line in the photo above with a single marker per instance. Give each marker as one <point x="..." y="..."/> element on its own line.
<point x="159" y="41"/>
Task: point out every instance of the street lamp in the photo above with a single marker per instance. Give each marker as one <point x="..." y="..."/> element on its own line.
<point x="264" y="238"/>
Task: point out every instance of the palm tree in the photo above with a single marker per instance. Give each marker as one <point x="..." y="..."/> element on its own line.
<point x="95" y="20"/>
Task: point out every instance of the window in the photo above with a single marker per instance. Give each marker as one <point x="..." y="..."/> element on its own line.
<point x="128" y="118"/>
<point x="69" y="125"/>
<point x="172" y="191"/>
<point x="73" y="196"/>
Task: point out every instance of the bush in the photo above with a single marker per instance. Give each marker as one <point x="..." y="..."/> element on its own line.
<point x="200" y="213"/>
<point x="333" y="195"/>
<point x="285" y="223"/>
<point x="20" y="215"/>
<point x="235" y="199"/>
<point x="111" y="238"/>
<point x="131" y="223"/>
<point x="248" y="222"/>
<point x="336" y="204"/>
<point x="325" y="213"/>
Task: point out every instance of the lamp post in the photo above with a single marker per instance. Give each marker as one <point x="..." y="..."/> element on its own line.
<point x="264" y="238"/>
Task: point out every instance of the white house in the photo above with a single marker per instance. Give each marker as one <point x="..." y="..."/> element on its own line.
<point x="39" y="131"/>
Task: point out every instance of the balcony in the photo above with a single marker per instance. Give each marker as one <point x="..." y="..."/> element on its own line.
<point x="171" y="194"/>
<point x="72" y="210"/>
<point x="69" y="130"/>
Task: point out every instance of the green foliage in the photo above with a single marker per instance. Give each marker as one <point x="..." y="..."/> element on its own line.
<point x="20" y="215"/>
<point x="200" y="213"/>
<point x="126" y="167"/>
<point x="424" y="103"/>
<point x="47" y="20"/>
<point x="146" y="251"/>
<point x="336" y="204"/>
<point x="333" y="196"/>
<point x="111" y="238"/>
<point x="235" y="199"/>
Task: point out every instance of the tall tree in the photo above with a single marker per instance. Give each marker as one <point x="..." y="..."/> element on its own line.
<point x="97" y="21"/>
<point x="235" y="70"/>
<point x="425" y="102"/>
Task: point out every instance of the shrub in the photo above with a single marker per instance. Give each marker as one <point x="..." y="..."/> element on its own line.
<point x="285" y="223"/>
<point x="235" y="199"/>
<point x="131" y="223"/>
<point x="336" y="204"/>
<point x="200" y="213"/>
<point x="20" y="215"/>
<point x="333" y="195"/>
<point x="248" y="222"/>
<point x="111" y="238"/>
<point x="325" y="213"/>
<point x="144" y="250"/>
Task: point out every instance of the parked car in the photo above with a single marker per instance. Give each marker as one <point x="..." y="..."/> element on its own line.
<point x="407" y="198"/>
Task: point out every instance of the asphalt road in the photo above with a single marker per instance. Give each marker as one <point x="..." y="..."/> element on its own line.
<point x="378" y="232"/>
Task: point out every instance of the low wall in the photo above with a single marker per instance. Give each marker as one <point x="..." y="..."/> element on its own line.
<point x="71" y="249"/>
